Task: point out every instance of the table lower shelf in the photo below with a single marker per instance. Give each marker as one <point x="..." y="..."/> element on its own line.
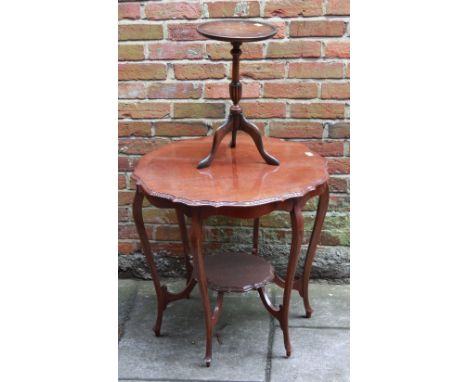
<point x="236" y="272"/>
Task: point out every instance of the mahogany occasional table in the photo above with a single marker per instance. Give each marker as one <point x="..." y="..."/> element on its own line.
<point x="238" y="184"/>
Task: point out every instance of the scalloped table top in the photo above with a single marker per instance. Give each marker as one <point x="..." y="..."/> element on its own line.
<point x="237" y="177"/>
<point x="236" y="30"/>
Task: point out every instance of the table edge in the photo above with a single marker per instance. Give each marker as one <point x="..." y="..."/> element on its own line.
<point x="218" y="204"/>
<point x="234" y="39"/>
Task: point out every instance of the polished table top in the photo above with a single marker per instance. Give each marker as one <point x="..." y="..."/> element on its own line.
<point x="237" y="177"/>
<point x="236" y="30"/>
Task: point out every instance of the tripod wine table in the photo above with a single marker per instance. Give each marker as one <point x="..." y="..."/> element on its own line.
<point x="236" y="32"/>
<point x="238" y="184"/>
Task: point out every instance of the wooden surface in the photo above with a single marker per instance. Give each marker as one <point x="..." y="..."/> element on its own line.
<point x="237" y="177"/>
<point x="236" y="30"/>
<point x="236" y="272"/>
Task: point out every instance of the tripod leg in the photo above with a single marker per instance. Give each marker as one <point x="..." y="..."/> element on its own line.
<point x="255" y="134"/>
<point x="219" y="134"/>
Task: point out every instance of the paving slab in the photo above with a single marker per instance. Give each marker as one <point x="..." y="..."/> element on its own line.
<point x="330" y="304"/>
<point x="319" y="355"/>
<point x="240" y="344"/>
<point x="127" y="293"/>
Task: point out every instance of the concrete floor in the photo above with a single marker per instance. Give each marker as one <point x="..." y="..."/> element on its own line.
<point x="247" y="344"/>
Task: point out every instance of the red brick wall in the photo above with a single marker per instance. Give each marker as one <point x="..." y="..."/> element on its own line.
<point x="173" y="83"/>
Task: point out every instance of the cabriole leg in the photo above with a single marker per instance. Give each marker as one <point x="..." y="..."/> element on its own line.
<point x="297" y="222"/>
<point x="256" y="136"/>
<point x="140" y="226"/>
<point x="196" y="234"/>
<point x="314" y="240"/>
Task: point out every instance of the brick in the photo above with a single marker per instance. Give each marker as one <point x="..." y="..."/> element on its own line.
<point x="159" y="216"/>
<point x="334" y="238"/>
<point x="134" y="128"/>
<point x="199" y="110"/>
<point x="290" y="90"/>
<point x="123" y="212"/>
<point x="122" y="183"/>
<point x="139" y="110"/>
<point x="348" y="70"/>
<point x="338" y="7"/>
<point x="124" y="164"/>
<point x="338" y="184"/>
<point x="264" y="109"/>
<point x="318" y="110"/>
<point x="172" y="10"/>
<point x="222" y="51"/>
<point x="292" y="8"/>
<point x="293" y="49"/>
<point x="337" y="49"/>
<point x="199" y="71"/>
<point x="171" y="249"/>
<point x="140" y="32"/>
<point x="335" y="91"/>
<point x="175" y="90"/>
<point x="315" y="70"/>
<point x="276" y="219"/>
<point x="142" y="71"/>
<point x="125" y="198"/>
<point x="339" y="130"/>
<point x="128" y="231"/>
<point x="327" y="149"/>
<point x="175" y="51"/>
<point x="316" y="28"/>
<point x="129" y="11"/>
<point x="184" y="32"/>
<point x="127" y="248"/>
<point x="339" y="203"/>
<point x="233" y="9"/>
<point x="167" y="233"/>
<point x="131" y="52"/>
<point x="281" y="28"/>
<point x="177" y="129"/>
<point x="131" y="90"/>
<point x="263" y="70"/>
<point x="221" y="90"/>
<point x="296" y="129"/>
<point x="140" y="146"/>
<point x="338" y="166"/>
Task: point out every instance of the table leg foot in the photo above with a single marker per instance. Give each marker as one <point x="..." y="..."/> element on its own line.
<point x="157" y="332"/>
<point x="256" y="136"/>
